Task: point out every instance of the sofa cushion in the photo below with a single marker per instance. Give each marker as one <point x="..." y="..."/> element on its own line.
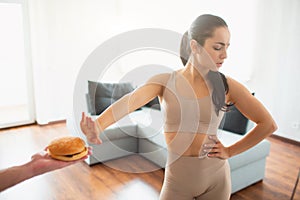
<point x="118" y="132"/>
<point x="234" y="121"/>
<point x="150" y="125"/>
<point x="102" y="95"/>
<point x="153" y="135"/>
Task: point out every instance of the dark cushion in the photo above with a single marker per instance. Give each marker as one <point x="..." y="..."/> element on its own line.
<point x="102" y="95"/>
<point x="234" y="121"/>
<point x="154" y="104"/>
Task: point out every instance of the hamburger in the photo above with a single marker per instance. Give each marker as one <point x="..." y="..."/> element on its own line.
<point x="67" y="148"/>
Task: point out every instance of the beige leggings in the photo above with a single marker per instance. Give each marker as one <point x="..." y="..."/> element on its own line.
<point x="188" y="178"/>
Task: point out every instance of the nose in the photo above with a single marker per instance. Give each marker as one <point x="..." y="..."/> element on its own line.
<point x="224" y="54"/>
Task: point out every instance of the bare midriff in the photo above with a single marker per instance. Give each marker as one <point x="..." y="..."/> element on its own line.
<point x="186" y="144"/>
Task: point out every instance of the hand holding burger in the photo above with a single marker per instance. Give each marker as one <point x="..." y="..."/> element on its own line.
<point x="44" y="162"/>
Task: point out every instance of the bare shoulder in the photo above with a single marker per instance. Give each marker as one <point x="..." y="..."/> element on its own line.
<point x="156" y="84"/>
<point x="159" y="79"/>
<point x="237" y="91"/>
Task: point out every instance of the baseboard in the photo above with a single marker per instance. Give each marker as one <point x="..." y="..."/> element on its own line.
<point x="284" y="139"/>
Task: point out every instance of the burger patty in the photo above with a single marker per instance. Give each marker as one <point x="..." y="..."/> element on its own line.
<point x="71" y="155"/>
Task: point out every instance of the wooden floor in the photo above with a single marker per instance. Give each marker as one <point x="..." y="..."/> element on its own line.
<point x="102" y="182"/>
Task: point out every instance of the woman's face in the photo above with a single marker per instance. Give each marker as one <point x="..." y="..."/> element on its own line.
<point x="214" y="51"/>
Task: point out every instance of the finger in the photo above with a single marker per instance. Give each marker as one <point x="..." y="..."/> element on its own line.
<point x="96" y="140"/>
<point x="39" y="154"/>
<point x="209" y="146"/>
<point x="35" y="156"/>
<point x="82" y="117"/>
<point x="88" y="122"/>
<point x="214" y="138"/>
<point x="217" y="155"/>
<point x="215" y="150"/>
<point x="90" y="151"/>
<point x="214" y="155"/>
<point x="92" y="123"/>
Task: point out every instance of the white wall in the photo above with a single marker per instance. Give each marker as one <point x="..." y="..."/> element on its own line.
<point x="277" y="69"/>
<point x="64" y="33"/>
<point x="178" y="15"/>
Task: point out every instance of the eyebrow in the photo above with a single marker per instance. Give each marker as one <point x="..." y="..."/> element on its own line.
<point x="221" y="43"/>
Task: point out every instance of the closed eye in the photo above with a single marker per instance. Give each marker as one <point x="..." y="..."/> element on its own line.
<point x="217" y="48"/>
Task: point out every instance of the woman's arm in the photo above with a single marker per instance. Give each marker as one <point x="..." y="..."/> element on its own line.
<point x="127" y="104"/>
<point x="254" y="110"/>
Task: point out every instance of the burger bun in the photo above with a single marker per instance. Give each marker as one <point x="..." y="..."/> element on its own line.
<point x="67" y="148"/>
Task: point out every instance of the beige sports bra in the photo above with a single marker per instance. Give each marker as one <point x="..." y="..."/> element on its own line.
<point x="188" y="113"/>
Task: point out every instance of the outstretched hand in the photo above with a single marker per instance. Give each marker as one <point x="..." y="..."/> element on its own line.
<point x="42" y="162"/>
<point x="90" y="129"/>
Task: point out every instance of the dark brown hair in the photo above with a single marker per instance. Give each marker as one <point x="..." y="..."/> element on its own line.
<point x="201" y="29"/>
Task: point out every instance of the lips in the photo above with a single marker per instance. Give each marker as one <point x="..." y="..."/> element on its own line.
<point x="219" y="64"/>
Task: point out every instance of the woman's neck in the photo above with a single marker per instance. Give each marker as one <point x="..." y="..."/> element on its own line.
<point x="194" y="72"/>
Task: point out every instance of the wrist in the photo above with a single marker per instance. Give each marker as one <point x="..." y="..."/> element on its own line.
<point x="98" y="126"/>
<point x="229" y="152"/>
<point x="30" y="169"/>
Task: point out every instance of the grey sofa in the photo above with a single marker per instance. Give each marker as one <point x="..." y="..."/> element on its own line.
<point x="141" y="133"/>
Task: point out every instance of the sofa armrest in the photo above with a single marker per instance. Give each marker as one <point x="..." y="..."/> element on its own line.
<point x="259" y="151"/>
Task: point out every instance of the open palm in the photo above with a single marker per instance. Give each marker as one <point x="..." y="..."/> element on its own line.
<point x="90" y="128"/>
<point x="42" y="162"/>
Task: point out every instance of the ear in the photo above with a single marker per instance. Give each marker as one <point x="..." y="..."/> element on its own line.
<point x="195" y="46"/>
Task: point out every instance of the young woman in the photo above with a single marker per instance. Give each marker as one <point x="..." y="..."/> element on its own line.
<point x="194" y="100"/>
